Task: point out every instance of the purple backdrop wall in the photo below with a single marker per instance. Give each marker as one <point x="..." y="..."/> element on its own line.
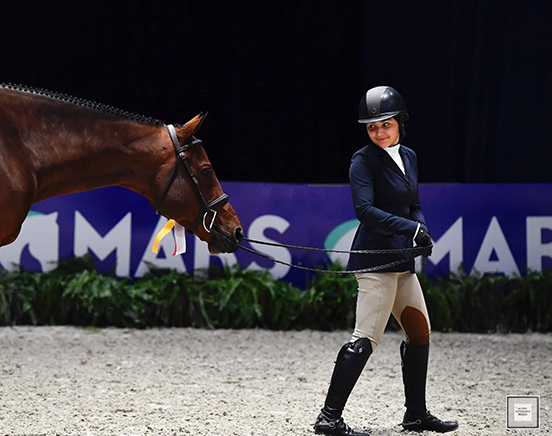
<point x="495" y="228"/>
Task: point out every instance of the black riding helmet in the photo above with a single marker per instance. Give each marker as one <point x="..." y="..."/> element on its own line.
<point x="381" y="103"/>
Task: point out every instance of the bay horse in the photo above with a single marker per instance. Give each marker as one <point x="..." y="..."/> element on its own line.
<point x="54" y="144"/>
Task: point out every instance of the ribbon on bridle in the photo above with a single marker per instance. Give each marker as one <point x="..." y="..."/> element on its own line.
<point x="179" y="237"/>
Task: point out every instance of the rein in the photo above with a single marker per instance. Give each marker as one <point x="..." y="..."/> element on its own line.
<point x="416" y="251"/>
<point x="206" y="207"/>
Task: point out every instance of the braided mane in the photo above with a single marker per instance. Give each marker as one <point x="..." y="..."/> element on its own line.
<point x="82" y="102"/>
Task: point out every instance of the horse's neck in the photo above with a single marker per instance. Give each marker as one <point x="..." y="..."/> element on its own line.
<point x="82" y="155"/>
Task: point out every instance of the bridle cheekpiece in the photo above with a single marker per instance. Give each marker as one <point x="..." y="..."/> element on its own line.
<point x="206" y="207"/>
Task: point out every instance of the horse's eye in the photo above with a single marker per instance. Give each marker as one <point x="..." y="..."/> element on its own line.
<point x="207" y="172"/>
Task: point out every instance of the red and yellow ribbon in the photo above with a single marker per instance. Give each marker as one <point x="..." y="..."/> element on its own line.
<point x="179" y="237"/>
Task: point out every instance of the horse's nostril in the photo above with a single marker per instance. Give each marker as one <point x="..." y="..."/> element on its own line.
<point x="238" y="234"/>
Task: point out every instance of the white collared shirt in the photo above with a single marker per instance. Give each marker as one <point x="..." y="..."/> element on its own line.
<point x="395" y="155"/>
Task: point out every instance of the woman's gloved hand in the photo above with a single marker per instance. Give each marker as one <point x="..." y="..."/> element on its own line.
<point x="423" y="239"/>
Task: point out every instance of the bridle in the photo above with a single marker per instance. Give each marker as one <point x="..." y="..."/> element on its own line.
<point x="206" y="207"/>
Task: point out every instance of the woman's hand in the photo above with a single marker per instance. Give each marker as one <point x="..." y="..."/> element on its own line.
<point x="423" y="239"/>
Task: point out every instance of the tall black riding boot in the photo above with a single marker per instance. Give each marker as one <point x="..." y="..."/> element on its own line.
<point x="349" y="364"/>
<point x="414" y="368"/>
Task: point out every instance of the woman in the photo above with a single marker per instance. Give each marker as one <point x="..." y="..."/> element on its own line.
<point x="384" y="184"/>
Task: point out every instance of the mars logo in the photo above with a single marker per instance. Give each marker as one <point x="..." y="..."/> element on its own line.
<point x="39" y="237"/>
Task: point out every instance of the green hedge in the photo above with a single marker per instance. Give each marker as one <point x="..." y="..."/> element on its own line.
<point x="76" y="294"/>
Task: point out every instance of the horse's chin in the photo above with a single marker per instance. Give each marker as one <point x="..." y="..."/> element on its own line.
<point x="221" y="243"/>
<point x="221" y="247"/>
<point x="213" y="250"/>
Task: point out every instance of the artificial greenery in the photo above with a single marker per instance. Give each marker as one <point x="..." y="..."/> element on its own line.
<point x="75" y="293"/>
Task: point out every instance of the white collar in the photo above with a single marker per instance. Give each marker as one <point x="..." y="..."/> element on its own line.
<point x="393" y="149"/>
<point x="393" y="152"/>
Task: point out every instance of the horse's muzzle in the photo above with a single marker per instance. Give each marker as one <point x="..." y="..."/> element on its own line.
<point x="224" y="243"/>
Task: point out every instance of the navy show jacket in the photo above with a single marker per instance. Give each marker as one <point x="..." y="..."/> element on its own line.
<point x="387" y="204"/>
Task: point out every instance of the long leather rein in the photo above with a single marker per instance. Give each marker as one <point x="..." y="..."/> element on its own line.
<point x="416" y="251"/>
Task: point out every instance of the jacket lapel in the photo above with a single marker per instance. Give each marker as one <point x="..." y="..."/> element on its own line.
<point x="408" y="164"/>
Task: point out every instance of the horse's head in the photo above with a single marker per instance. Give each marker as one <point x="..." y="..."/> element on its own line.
<point x="193" y="195"/>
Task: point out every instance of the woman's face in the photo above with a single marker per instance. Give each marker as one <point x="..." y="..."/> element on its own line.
<point x="384" y="133"/>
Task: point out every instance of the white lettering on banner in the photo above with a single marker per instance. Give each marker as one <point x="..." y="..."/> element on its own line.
<point x="202" y="257"/>
<point x="450" y="242"/>
<point x="41" y="234"/>
<point x="536" y="249"/>
<point x="118" y="239"/>
<point x="149" y="258"/>
<point x="495" y="241"/>
<point x="256" y="231"/>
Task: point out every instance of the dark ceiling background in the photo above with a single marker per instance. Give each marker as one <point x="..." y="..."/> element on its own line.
<point x="282" y="80"/>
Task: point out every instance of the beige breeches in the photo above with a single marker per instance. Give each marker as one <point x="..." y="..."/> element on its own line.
<point x="379" y="295"/>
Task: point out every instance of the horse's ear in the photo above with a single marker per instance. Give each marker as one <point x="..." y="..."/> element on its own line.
<point x="202" y="117"/>
<point x="191" y="127"/>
